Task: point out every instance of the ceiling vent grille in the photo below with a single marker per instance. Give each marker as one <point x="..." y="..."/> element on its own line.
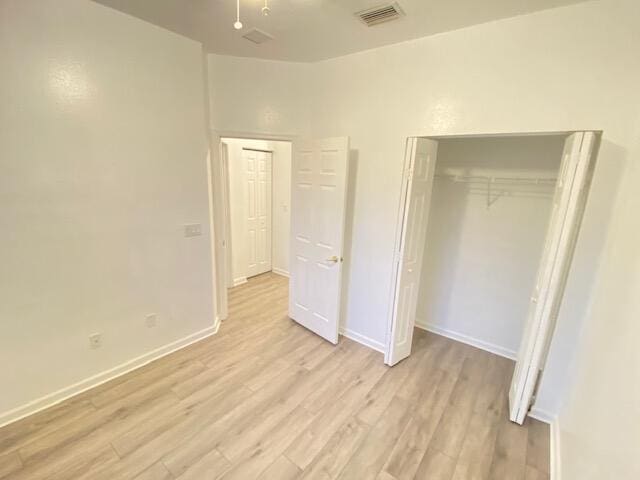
<point x="380" y="14"/>
<point x="256" y="35"/>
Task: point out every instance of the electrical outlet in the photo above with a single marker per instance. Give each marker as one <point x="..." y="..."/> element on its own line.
<point x="95" y="340"/>
<point x="193" y="230"/>
<point x="151" y="320"/>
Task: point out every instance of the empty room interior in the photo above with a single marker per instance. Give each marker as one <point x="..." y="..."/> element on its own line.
<point x="311" y="239"/>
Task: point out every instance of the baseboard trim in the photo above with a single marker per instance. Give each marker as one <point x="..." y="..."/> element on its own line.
<point x="555" y="459"/>
<point x="279" y="271"/>
<point x="366" y="341"/>
<point x="65" y="393"/>
<point x="474" y="342"/>
<point x="542" y="415"/>
<point x="239" y="281"/>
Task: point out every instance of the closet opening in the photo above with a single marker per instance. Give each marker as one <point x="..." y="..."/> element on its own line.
<point x="486" y="231"/>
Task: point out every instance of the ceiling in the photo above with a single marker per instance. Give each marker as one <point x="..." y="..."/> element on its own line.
<point x="311" y="30"/>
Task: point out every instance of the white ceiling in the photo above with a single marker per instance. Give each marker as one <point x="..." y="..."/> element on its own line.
<point x="310" y="30"/>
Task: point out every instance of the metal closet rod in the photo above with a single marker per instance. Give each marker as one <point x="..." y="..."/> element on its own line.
<point x="543" y="181"/>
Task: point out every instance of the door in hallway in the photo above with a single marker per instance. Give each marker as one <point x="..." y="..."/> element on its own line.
<point x="258" y="196"/>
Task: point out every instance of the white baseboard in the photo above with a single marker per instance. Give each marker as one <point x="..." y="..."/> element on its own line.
<point x="366" y="341"/>
<point x="54" y="398"/>
<point x="239" y="281"/>
<point x="542" y="415"/>
<point x="474" y="342"/>
<point x="555" y="463"/>
<point x="279" y="271"/>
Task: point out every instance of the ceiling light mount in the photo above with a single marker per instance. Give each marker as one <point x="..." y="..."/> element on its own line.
<point x="238" y="24"/>
<point x="266" y="11"/>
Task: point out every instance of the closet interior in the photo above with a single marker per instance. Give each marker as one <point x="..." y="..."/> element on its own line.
<point x="490" y="208"/>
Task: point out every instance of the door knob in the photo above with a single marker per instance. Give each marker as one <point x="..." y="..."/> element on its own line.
<point x="334" y="259"/>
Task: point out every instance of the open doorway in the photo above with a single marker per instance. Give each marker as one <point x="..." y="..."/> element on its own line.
<point x="256" y="195"/>
<point x="308" y="209"/>
<point x="487" y="229"/>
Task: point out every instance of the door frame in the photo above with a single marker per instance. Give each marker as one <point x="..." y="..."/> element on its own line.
<point x="401" y="211"/>
<point x="226" y="217"/>
<point x="219" y="200"/>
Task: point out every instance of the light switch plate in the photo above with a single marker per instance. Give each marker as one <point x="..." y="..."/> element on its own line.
<point x="193" y="230"/>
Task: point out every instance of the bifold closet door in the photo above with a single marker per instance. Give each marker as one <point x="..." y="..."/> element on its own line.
<point x="318" y="204"/>
<point x="258" y="176"/>
<point x="568" y="206"/>
<point x="420" y="162"/>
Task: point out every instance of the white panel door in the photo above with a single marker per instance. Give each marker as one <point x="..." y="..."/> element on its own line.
<point x="566" y="215"/>
<point x="258" y="176"/>
<point x="318" y="201"/>
<point x="420" y="162"/>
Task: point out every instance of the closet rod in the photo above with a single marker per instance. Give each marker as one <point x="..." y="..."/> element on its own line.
<point x="542" y="181"/>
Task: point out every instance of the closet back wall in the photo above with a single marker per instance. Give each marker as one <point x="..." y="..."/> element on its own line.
<point x="481" y="261"/>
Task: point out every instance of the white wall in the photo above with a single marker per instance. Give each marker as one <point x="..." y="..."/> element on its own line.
<point x="481" y="261"/>
<point x="599" y="424"/>
<point x="281" y="194"/>
<point x="102" y="160"/>
<point x="259" y="96"/>
<point x="281" y="191"/>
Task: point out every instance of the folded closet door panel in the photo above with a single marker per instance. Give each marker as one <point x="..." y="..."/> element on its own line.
<point x="568" y="206"/>
<point x="417" y="189"/>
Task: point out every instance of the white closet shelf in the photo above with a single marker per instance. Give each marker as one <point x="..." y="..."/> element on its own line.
<point x="501" y="180"/>
<point x="495" y="187"/>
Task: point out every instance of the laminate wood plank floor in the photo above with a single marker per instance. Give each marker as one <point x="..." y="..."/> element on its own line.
<point x="267" y="399"/>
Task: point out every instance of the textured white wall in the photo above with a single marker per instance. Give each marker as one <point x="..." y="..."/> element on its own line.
<point x="281" y="205"/>
<point x="281" y="188"/>
<point x="102" y="160"/>
<point x="480" y="262"/>
<point x="259" y="96"/>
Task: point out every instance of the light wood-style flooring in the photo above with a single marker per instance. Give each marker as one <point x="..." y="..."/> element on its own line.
<point x="267" y="399"/>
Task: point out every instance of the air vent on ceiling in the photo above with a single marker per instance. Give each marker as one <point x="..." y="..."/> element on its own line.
<point x="257" y="36"/>
<point x="380" y="14"/>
